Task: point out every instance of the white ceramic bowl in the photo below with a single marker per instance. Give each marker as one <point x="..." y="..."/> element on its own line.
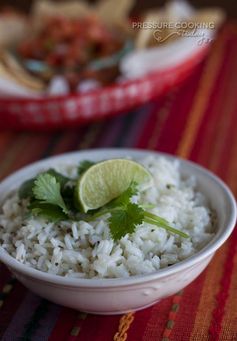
<point x="114" y="296"/>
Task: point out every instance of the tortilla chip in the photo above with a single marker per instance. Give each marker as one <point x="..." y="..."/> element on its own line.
<point x="145" y="36"/>
<point x="214" y="15"/>
<point x="125" y="27"/>
<point x="11" y="69"/>
<point x="12" y="29"/>
<point x="72" y="9"/>
<point x="113" y="11"/>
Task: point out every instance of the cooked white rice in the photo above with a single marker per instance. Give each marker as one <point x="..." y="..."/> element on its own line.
<point x="86" y="250"/>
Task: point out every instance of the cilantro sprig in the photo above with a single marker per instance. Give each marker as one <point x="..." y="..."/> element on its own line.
<point x="125" y="216"/>
<point x="125" y="219"/>
<point x="50" y="197"/>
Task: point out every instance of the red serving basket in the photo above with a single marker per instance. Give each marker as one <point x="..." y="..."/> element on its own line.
<point x="76" y="109"/>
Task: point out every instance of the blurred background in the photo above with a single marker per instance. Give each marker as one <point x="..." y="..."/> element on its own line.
<point x="72" y="62"/>
<point x="184" y="104"/>
<point x="229" y="5"/>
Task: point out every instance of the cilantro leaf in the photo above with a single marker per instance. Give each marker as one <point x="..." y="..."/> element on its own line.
<point x="124" y="198"/>
<point x="68" y="197"/>
<point x="47" y="211"/>
<point x="125" y="220"/>
<point x="25" y="190"/>
<point x="83" y="166"/>
<point x="61" y="179"/>
<point x="47" y="190"/>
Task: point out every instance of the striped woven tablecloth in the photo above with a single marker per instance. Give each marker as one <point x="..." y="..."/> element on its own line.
<point x="196" y="121"/>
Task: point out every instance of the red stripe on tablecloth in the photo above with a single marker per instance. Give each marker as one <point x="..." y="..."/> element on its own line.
<point x="155" y="322"/>
<point x="102" y="328"/>
<point x="26" y="149"/>
<point x="175" y="123"/>
<point x="169" y="127"/>
<point x="221" y="297"/>
<point x="187" y="310"/>
<point x="143" y="318"/>
<point x="64" y="324"/>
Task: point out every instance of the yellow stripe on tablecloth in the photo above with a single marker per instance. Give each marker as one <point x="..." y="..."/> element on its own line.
<point x="124" y="325"/>
<point x="201" y="99"/>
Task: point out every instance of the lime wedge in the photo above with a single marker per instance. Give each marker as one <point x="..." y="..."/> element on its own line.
<point x="106" y="180"/>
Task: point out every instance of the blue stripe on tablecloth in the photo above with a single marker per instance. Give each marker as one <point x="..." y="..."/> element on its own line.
<point x="112" y="129"/>
<point x="136" y="122"/>
<point x="47" y="323"/>
<point x="123" y="131"/>
<point x="21" y="317"/>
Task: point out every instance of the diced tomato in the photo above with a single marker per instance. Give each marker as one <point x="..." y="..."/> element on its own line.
<point x="69" y="45"/>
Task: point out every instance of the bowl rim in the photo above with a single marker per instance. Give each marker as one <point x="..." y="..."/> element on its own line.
<point x="204" y="253"/>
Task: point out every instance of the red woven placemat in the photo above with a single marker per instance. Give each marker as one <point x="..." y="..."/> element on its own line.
<point x="197" y="121"/>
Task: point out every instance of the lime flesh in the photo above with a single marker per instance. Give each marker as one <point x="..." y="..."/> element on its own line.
<point x="107" y="180"/>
